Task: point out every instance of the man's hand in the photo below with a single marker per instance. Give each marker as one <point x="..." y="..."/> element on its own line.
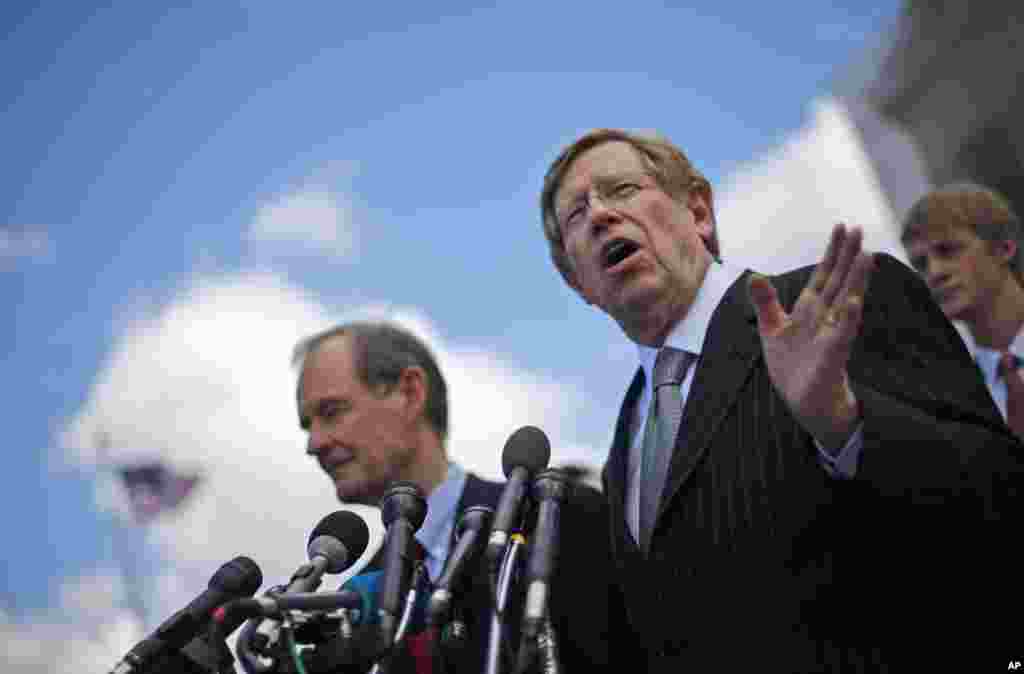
<point x="807" y="350"/>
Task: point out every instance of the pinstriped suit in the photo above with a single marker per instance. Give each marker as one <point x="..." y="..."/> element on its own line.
<point x="758" y="559"/>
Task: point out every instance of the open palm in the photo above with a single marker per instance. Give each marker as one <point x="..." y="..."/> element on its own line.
<point x="807" y="350"/>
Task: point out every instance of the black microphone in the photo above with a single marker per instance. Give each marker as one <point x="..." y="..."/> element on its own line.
<point x="470" y="537"/>
<point x="275" y="606"/>
<point x="240" y="577"/>
<point x="334" y="545"/>
<point x="550" y="490"/>
<point x="206" y="653"/>
<point x="526" y="452"/>
<point x="403" y="509"/>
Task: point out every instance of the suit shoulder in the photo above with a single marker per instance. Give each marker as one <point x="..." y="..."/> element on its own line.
<point x="886" y="268"/>
<point x="587" y="503"/>
<point x="479" y="492"/>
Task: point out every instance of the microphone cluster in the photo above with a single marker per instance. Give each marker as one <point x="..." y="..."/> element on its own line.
<point x="365" y="622"/>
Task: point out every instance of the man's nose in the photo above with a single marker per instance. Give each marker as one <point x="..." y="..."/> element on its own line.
<point x="317" y="440"/>
<point x="601" y="214"/>
<point x="935" y="271"/>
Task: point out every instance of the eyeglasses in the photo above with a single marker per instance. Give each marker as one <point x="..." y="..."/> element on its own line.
<point x="612" y="192"/>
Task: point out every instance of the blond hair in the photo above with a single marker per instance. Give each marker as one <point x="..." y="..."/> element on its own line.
<point x="970" y="206"/>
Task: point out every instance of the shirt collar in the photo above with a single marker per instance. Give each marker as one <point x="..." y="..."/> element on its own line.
<point x="988" y="359"/>
<point x="441" y="506"/>
<point x="689" y="333"/>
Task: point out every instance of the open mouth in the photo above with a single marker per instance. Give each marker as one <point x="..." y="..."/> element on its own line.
<point x="617" y="250"/>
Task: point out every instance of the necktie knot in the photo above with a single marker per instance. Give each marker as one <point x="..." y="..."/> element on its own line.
<point x="670" y="366"/>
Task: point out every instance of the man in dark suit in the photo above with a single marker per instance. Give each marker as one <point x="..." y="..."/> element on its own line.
<point x="833" y="489"/>
<point x="375" y="405"/>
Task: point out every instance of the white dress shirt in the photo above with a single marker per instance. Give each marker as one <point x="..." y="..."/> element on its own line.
<point x="436" y="531"/>
<point x="988" y="363"/>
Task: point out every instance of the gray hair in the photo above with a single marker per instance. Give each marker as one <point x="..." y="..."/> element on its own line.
<point x="381" y="351"/>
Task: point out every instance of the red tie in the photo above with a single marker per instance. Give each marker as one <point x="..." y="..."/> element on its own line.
<point x="1009" y="365"/>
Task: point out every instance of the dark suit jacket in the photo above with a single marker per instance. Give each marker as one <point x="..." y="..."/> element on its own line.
<point x="761" y="562"/>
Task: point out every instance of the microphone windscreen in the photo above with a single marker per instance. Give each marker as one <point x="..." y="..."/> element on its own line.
<point x="240" y="577"/>
<point x="347" y="527"/>
<point x="528" y="448"/>
<point x="403" y="499"/>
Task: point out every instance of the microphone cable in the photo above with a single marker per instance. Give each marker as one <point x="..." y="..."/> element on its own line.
<point x="516" y="543"/>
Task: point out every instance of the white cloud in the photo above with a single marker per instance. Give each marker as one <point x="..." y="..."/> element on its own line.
<point x="775" y="213"/>
<point x="207" y="384"/>
<point x="313" y="218"/>
<point x="87" y="632"/>
<point x="24" y="243"/>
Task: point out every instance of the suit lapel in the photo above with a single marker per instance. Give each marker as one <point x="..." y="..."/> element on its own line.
<point x="618" y="463"/>
<point x="478" y="492"/>
<point x="475" y="492"/>
<point x="730" y="349"/>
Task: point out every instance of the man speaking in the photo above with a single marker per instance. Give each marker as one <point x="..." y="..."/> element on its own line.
<point x="807" y="474"/>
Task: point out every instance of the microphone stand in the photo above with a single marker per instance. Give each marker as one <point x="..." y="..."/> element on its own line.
<point x="547" y="645"/>
<point x="505" y="576"/>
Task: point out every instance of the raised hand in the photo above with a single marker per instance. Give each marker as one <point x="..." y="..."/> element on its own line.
<point x="807" y="350"/>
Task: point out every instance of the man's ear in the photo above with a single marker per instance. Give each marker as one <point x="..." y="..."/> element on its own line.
<point x="1004" y="249"/>
<point x="412" y="386"/>
<point x="701" y="205"/>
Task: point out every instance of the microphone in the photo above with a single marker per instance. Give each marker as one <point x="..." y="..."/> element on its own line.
<point x="550" y="490"/>
<point x="470" y="535"/>
<point x="403" y="509"/>
<point x="273" y="607"/>
<point x="335" y="544"/>
<point x="240" y="577"/>
<point x="207" y="652"/>
<point x="526" y="452"/>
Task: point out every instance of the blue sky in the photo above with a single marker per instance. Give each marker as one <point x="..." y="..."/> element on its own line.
<point x="149" y="152"/>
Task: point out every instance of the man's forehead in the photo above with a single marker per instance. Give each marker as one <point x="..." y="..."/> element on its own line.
<point x="921" y="234"/>
<point x="329" y="364"/>
<point x="606" y="160"/>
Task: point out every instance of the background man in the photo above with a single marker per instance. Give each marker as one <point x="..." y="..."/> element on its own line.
<point x="375" y="405"/>
<point x="965" y="242"/>
<point x="800" y="516"/>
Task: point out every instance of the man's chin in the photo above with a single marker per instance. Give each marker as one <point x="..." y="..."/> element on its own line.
<point x="632" y="295"/>
<point x="642" y="298"/>
<point x="955" y="311"/>
<point x="349" y="492"/>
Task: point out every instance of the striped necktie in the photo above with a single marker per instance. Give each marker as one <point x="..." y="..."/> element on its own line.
<point x="663" y="417"/>
<point x="1009" y="369"/>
